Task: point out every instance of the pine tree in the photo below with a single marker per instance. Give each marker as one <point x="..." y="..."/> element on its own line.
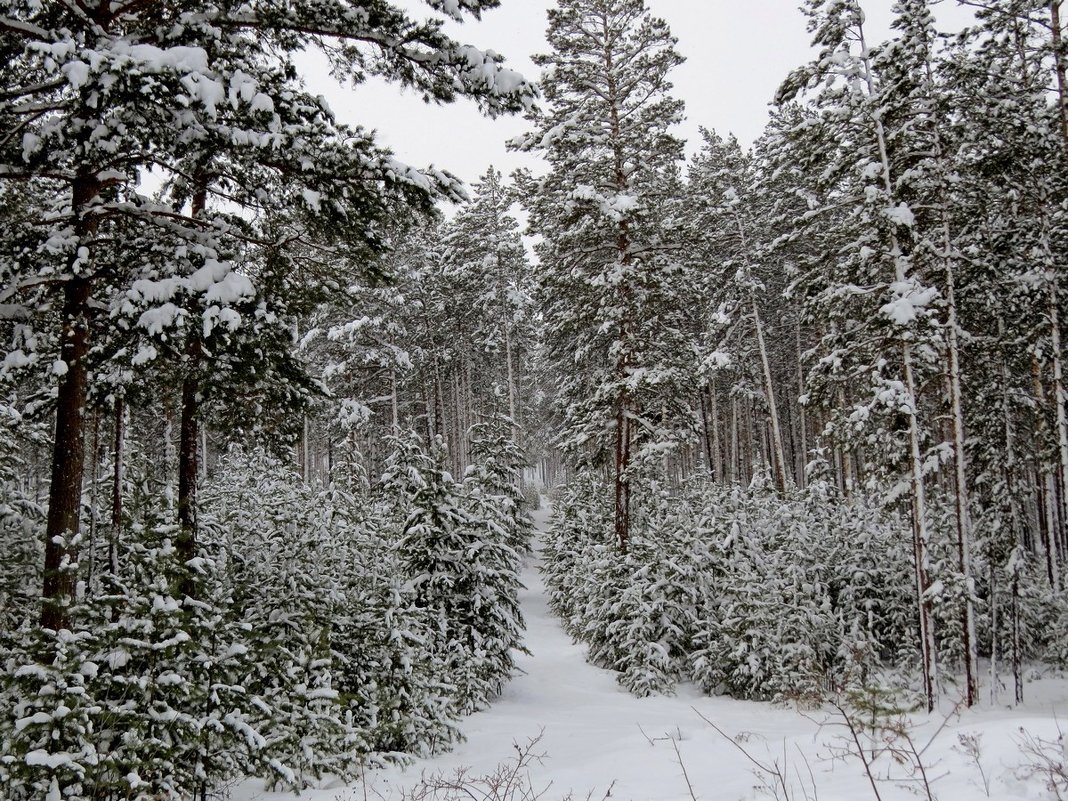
<point x="122" y="80"/>
<point x="606" y="258"/>
<point x="883" y="340"/>
<point x="721" y="194"/>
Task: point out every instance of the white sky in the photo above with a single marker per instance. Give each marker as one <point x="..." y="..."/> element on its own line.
<point x="737" y="52"/>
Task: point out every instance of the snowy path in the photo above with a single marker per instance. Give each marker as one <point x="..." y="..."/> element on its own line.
<point x="596" y="736"/>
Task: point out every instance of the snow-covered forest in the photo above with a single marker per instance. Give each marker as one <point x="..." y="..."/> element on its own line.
<point x="278" y="411"/>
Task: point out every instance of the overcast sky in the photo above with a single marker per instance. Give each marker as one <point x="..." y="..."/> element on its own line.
<point x="737" y="52"/>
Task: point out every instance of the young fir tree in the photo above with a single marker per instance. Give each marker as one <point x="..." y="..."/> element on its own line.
<point x="464" y="574"/>
<point x="607" y="264"/>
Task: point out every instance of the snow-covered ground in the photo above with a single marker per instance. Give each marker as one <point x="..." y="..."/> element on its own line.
<point x="599" y="741"/>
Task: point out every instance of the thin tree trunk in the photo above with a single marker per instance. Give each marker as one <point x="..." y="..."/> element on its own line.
<point x="778" y="455"/>
<point x="803" y="413"/>
<point x="623" y="254"/>
<point x="960" y="478"/>
<point x="778" y="459"/>
<point x="1017" y="649"/>
<point x="394" y="405"/>
<point x="116" y="489"/>
<point x="717" y="445"/>
<point x="1048" y="491"/>
<point x="439" y="403"/>
<point x="94" y="514"/>
<point x="1059" y="68"/>
<point x="919" y="498"/>
<point x="1009" y="467"/>
<point x="188" y="475"/>
<point x="963" y="514"/>
<point x="992" y="579"/>
<point x="1062" y="415"/>
<point x="622" y="484"/>
<point x="735" y="441"/>
<point x="706" y="434"/>
<point x="511" y="385"/>
<point x="185" y="543"/>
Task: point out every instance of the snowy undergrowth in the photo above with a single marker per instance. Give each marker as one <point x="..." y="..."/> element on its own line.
<point x="320" y="630"/>
<point x="597" y="739"/>
<point x="736" y="591"/>
<point x="750" y="594"/>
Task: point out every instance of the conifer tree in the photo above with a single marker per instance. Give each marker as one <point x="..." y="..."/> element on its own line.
<point x="607" y="267"/>
<point x="880" y="335"/>
<point x="129" y="89"/>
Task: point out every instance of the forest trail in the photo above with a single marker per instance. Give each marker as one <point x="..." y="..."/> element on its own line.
<point x="598" y="739"/>
<point x="596" y="736"/>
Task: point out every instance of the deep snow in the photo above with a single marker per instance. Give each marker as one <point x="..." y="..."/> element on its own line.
<point x="598" y="739"/>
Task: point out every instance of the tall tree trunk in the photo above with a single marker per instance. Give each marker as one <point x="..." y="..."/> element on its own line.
<point x="717" y="445"/>
<point x="706" y="434"/>
<point x="1046" y="488"/>
<point x="802" y="479"/>
<point x="185" y="543"/>
<point x="622" y="479"/>
<point x="1059" y="68"/>
<point x="778" y="459"/>
<point x="94" y="513"/>
<point x="68" y="458"/>
<point x="919" y="497"/>
<point x="736" y="456"/>
<point x="116" y="488"/>
<point x="1061" y="400"/>
<point x="920" y="542"/>
<point x="625" y="258"/>
<point x="1015" y="521"/>
<point x="394" y="405"/>
<point x="512" y="413"/>
<point x="961" y="494"/>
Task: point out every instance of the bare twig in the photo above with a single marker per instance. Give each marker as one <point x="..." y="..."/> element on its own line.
<point x="685" y="775"/>
<point x="774" y="772"/>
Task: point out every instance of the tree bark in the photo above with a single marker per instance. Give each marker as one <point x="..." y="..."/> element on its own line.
<point x="116" y="489"/>
<point x="189" y="432"/>
<point x="188" y="474"/>
<point x="68" y="457"/>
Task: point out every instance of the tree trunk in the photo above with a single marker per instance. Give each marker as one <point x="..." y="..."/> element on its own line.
<point x="735" y="442"/>
<point x="778" y="459"/>
<point x="961" y="500"/>
<point x="1047" y="491"/>
<point x="717" y="446"/>
<point x="1015" y="521"/>
<point x="188" y="475"/>
<point x="919" y="497"/>
<point x="394" y="406"/>
<point x="622" y="479"/>
<point x="94" y="514"/>
<point x="1059" y="68"/>
<point x="68" y="458"/>
<point x="116" y="489"/>
<point x="706" y="434"/>
<point x="1062" y="417"/>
